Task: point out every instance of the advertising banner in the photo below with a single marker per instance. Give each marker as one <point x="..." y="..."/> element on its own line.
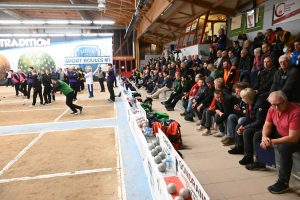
<point x="41" y="54"/>
<point x="286" y="11"/>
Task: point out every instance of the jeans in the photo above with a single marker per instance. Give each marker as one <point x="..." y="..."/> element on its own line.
<point x="231" y="124"/>
<point x="206" y="118"/>
<point x="286" y="151"/>
<point x="189" y="106"/>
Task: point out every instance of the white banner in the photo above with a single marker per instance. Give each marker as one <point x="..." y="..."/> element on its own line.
<point x="286" y="11"/>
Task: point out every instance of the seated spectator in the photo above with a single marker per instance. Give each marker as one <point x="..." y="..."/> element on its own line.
<point x="212" y="55"/>
<point x="195" y="71"/>
<point x="256" y="112"/>
<point x="236" y="49"/>
<point x="205" y="72"/>
<point x="215" y="39"/>
<point x="189" y="63"/>
<point x="204" y="101"/>
<point x="224" y="57"/>
<point x="132" y="77"/>
<point x="287" y="79"/>
<point x="281" y="37"/>
<point x="190" y="95"/>
<point x="266" y="48"/>
<point x="172" y="69"/>
<point x="288" y="49"/>
<point x="214" y="73"/>
<point x="264" y="80"/>
<point x="164" y="68"/>
<point x="183" y="89"/>
<point x="196" y="60"/>
<point x="178" y="67"/>
<point x="164" y="86"/>
<point x="234" y="60"/>
<point x="223" y="107"/>
<point x="296" y="55"/>
<point x="281" y="128"/>
<point x="231" y="75"/>
<point x="256" y="65"/>
<point x="245" y="65"/>
<point x="157" y="83"/>
<point x="150" y="84"/>
<point x="239" y="110"/>
<point x="250" y="47"/>
<point x="219" y="55"/>
<point x="269" y="36"/>
<point x="221" y="43"/>
<point x="258" y="40"/>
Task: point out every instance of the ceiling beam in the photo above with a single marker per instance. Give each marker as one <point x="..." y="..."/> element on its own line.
<point x="114" y="4"/>
<point x="195" y="16"/>
<point x="192" y="9"/>
<point x="185" y="14"/>
<point x="217" y="3"/>
<point x="155" y="27"/>
<point x="161" y="36"/>
<point x="169" y="32"/>
<point x="152" y="42"/>
<point x="168" y="23"/>
<point x="181" y="6"/>
<point x="16" y="14"/>
<point x="209" y="6"/>
<point x="82" y="13"/>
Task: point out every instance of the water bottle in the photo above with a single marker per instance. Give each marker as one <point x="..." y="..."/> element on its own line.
<point x="297" y="62"/>
<point x="169" y="162"/>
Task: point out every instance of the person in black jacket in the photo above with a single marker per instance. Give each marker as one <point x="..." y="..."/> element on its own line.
<point x="264" y="80"/>
<point x="183" y="88"/>
<point x="236" y="49"/>
<point x="46" y="80"/>
<point x="222" y="39"/>
<point x="37" y="88"/>
<point x="204" y="101"/>
<point x="256" y="112"/>
<point x="164" y="86"/>
<point x="239" y="110"/>
<point x="287" y="79"/>
<point x="245" y="66"/>
<point x="223" y="108"/>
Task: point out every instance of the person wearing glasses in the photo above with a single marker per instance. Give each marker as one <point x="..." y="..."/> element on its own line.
<point x="296" y="55"/>
<point x="281" y="128"/>
<point x="287" y="79"/>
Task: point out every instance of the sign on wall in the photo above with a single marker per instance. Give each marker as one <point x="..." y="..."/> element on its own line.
<point x="42" y="54"/>
<point x="286" y="11"/>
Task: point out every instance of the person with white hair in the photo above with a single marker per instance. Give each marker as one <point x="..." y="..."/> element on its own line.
<point x="287" y="79"/>
<point x="281" y="128"/>
<point x="256" y="65"/>
<point x="89" y="80"/>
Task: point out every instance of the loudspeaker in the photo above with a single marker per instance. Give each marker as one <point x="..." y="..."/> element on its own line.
<point x="246" y="6"/>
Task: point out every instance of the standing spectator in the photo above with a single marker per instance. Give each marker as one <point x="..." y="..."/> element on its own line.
<point x="9" y="78"/>
<point x="46" y="81"/>
<point x="256" y="65"/>
<point x="237" y="49"/>
<point x="142" y="67"/>
<point x="23" y="83"/>
<point x="287" y="79"/>
<point x="73" y="79"/>
<point x="16" y="79"/>
<point x="296" y="55"/>
<point x="221" y="43"/>
<point x="256" y="111"/>
<point x="231" y="74"/>
<point x="110" y="77"/>
<point x="245" y="65"/>
<point x="80" y="80"/>
<point x="234" y="60"/>
<point x="89" y="80"/>
<point x="37" y="88"/>
<point x="205" y="71"/>
<point x="101" y="76"/>
<point x="172" y="70"/>
<point x="281" y="128"/>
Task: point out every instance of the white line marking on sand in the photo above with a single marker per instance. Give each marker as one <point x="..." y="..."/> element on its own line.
<point x="58" y="118"/>
<point x="121" y="189"/>
<point x="22" y="152"/>
<point x="63" y="174"/>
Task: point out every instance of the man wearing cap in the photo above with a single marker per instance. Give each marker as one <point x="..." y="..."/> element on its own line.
<point x="281" y="37"/>
<point x="204" y="101"/>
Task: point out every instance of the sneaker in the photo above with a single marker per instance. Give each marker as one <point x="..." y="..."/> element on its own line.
<point x="31" y="106"/>
<point x="246" y="160"/>
<point x="223" y="138"/>
<point x="16" y="96"/>
<point x="228" y="141"/>
<point x="74" y="113"/>
<point x="184" y="113"/>
<point x="198" y="123"/>
<point x="110" y="101"/>
<point x="170" y="109"/>
<point x="53" y="100"/>
<point x="200" y="128"/>
<point x="26" y="100"/>
<point x="236" y="151"/>
<point x="256" y="166"/>
<point x="41" y="104"/>
<point x="279" y="187"/>
<point x="163" y="103"/>
<point x="119" y="94"/>
<point x="206" y="132"/>
<point x="218" y="134"/>
<point x="81" y="110"/>
<point x="46" y="104"/>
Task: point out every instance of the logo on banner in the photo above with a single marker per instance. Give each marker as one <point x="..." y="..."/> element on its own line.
<point x="87" y="55"/>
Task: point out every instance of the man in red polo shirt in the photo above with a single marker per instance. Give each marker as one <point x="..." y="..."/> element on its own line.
<point x="282" y="128"/>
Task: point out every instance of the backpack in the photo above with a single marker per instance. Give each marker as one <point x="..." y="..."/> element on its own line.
<point x="147" y="104"/>
<point x="156" y="125"/>
<point x="161" y="116"/>
<point x="174" y="134"/>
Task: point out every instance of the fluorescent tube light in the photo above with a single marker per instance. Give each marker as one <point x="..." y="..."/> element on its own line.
<point x="57" y="22"/>
<point x="90" y="34"/>
<point x="80" y="21"/>
<point x="33" y="22"/>
<point x="10" y="22"/>
<point x="56" y="35"/>
<point x="105" y="34"/>
<point x="103" y="22"/>
<point x="38" y="35"/>
<point x="5" y="35"/>
<point x="73" y="34"/>
<point x="21" y="35"/>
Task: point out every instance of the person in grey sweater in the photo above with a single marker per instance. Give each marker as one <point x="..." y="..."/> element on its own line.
<point x="101" y="76"/>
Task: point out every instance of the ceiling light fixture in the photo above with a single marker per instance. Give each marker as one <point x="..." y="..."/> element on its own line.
<point x="89" y="34"/>
<point x="56" y="35"/>
<point x="38" y="35"/>
<point x="73" y="34"/>
<point x="10" y="22"/>
<point x="103" y="22"/>
<point x="33" y="22"/>
<point x="80" y="22"/>
<point x="5" y="35"/>
<point x="21" y="35"/>
<point x="105" y="34"/>
<point x="57" y="22"/>
<point x="102" y="4"/>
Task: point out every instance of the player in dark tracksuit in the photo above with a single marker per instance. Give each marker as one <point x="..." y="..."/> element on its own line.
<point x="37" y="88"/>
<point x="73" y="80"/>
<point x="46" y="80"/>
<point x="29" y="79"/>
